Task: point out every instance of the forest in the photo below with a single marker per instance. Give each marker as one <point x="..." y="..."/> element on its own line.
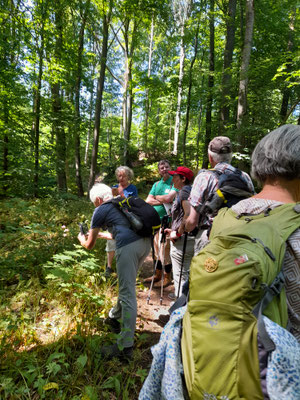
<point x="86" y="86"/>
<point x="90" y="85"/>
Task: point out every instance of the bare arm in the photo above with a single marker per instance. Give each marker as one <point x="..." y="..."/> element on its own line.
<point x="186" y="208"/>
<point x="152" y="200"/>
<point x="88" y="241"/>
<point x="105" y="235"/>
<point x="166" y="198"/>
<point x="192" y="220"/>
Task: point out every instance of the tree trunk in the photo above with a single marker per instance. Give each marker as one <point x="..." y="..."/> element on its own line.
<point x="210" y="81"/>
<point x="147" y="103"/>
<point x="243" y="85"/>
<point x="228" y="53"/>
<point x="179" y="94"/>
<point x="89" y="132"/>
<point x="287" y="91"/>
<point x="57" y="106"/>
<point x="100" y="87"/>
<point x="36" y="122"/>
<point x="128" y="86"/>
<point x="188" y="106"/>
<point x="77" y="121"/>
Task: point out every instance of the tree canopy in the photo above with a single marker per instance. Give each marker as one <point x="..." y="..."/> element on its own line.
<point x="88" y="85"/>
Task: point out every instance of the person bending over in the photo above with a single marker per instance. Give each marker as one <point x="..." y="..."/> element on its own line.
<point x="131" y="251"/>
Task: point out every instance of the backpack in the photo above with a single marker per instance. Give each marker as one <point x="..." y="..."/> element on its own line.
<point x="143" y="218"/>
<point x="235" y="281"/>
<point x="232" y="188"/>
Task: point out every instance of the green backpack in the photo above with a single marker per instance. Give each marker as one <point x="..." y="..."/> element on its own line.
<point x="235" y="279"/>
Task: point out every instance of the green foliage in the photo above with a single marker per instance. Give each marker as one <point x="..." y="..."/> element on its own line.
<point x="53" y="298"/>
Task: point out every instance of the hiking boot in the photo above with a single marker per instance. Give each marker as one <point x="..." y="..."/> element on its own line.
<point x="108" y="272"/>
<point x="113" y="324"/>
<point x="157" y="277"/>
<point x="113" y="351"/>
<point x="167" y="279"/>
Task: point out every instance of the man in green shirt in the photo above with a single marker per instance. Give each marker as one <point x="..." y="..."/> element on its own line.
<point x="161" y="197"/>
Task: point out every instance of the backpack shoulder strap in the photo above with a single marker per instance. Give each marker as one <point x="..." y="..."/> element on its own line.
<point x="287" y="216"/>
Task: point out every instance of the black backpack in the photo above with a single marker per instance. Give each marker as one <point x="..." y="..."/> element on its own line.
<point x="232" y="188"/>
<point x="143" y="218"/>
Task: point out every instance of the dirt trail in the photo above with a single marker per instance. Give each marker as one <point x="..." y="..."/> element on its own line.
<point x="148" y="313"/>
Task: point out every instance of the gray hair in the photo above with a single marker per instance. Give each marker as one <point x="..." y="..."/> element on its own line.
<point x="277" y="154"/>
<point x="223" y="157"/>
<point x="100" y="190"/>
<point x="128" y="171"/>
<point x="165" y="161"/>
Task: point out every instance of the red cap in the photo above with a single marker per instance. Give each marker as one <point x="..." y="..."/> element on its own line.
<point x="184" y="171"/>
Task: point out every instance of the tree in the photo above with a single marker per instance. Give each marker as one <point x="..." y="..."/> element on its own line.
<point x="228" y="53"/>
<point x="39" y="22"/>
<point x="106" y="17"/>
<point x="57" y="128"/>
<point x="210" y="80"/>
<point x="243" y="83"/>
<point x="181" y="13"/>
<point x="84" y="9"/>
<point x="190" y="81"/>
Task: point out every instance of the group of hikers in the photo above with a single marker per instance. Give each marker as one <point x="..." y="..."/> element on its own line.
<point x="234" y="326"/>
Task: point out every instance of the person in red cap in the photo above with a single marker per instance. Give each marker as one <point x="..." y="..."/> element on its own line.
<point x="182" y="180"/>
<point x="206" y="182"/>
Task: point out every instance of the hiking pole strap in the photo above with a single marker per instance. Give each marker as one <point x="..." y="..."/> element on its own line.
<point x="271" y="291"/>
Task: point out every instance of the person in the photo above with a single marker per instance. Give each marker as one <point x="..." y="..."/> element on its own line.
<point x="181" y="251"/>
<point x="131" y="251"/>
<point x="123" y="188"/>
<point x="161" y="197"/>
<point x="205" y="183"/>
<point x="276" y="165"/>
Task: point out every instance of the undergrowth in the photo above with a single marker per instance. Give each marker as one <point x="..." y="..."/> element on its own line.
<point x="53" y="300"/>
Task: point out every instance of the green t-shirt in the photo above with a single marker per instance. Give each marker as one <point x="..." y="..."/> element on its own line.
<point x="160" y="188"/>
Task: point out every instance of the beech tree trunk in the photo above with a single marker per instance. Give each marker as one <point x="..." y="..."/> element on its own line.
<point x="243" y="85"/>
<point x="228" y="53"/>
<point x="77" y="121"/>
<point x="128" y="86"/>
<point x="210" y="81"/>
<point x="179" y="93"/>
<point x="100" y="87"/>
<point x="188" y="105"/>
<point x="287" y="91"/>
<point x="147" y="103"/>
<point x="37" y="113"/>
<point x="58" y="130"/>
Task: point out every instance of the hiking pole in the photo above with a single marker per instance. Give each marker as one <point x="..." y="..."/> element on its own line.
<point x="163" y="238"/>
<point x="153" y="275"/>
<point x="182" y="261"/>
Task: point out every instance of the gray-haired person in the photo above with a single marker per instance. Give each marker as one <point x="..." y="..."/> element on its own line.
<point x="124" y="188"/>
<point x="276" y="165"/>
<point x="131" y="251"/>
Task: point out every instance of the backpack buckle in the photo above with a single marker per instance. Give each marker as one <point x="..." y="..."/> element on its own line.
<point x="276" y="286"/>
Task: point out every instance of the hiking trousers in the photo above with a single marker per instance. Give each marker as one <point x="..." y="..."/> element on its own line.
<point x="128" y="260"/>
<point x="176" y="256"/>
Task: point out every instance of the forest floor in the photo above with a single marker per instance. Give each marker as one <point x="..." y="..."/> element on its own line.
<point x="148" y="314"/>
